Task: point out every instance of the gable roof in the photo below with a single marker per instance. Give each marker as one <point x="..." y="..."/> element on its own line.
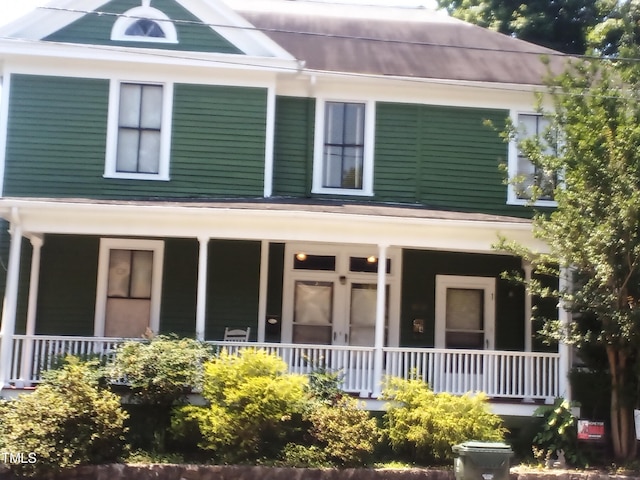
<point x="355" y="39"/>
<point x="417" y="43"/>
<point x="70" y="21"/>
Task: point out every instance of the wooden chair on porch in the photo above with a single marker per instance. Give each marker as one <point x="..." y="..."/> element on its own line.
<point x="236" y="334"/>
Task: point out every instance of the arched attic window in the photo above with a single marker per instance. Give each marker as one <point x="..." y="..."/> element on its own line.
<point x="144" y="24"/>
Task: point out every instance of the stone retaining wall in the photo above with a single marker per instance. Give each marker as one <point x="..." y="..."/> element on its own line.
<point x="206" y="472"/>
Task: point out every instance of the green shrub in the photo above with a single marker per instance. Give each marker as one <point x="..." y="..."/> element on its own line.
<point x="304" y="456"/>
<point x="558" y="431"/>
<point x="254" y="407"/>
<point x="159" y="371"/>
<point x="346" y="434"/>
<point x="66" y="421"/>
<point x="423" y="425"/>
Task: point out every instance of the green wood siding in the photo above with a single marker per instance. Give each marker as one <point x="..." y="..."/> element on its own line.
<point x="57" y="140"/>
<point x="56" y="136"/>
<point x="233" y="287"/>
<point x="68" y="279"/>
<point x="219" y="140"/>
<point x="293" y="157"/>
<point x="193" y="35"/>
<point x="179" y="285"/>
<point x="418" y="294"/>
<point x="441" y="157"/>
<point x="274" y="291"/>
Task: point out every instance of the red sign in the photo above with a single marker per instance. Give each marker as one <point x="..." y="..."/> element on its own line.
<point x="588" y="430"/>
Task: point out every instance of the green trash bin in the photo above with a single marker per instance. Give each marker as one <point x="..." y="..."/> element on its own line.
<point x="482" y="461"/>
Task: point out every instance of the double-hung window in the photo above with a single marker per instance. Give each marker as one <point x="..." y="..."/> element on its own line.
<point x="343" y="150"/>
<point x="139" y="131"/>
<point x="524" y="175"/>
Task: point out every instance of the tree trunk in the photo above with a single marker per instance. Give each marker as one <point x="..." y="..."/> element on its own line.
<point x="622" y="421"/>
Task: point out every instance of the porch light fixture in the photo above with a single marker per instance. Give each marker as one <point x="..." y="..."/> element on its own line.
<point x="301" y="256"/>
<point x="372" y="259"/>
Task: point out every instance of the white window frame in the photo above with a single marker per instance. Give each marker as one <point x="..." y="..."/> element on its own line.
<point x="368" y="154"/>
<point x="512" y="168"/>
<point x="130" y="17"/>
<point x="108" y="244"/>
<point x="444" y="282"/>
<point x="113" y="131"/>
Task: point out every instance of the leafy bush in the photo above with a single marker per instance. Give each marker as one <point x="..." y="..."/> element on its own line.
<point x="304" y="456"/>
<point x="423" y="425"/>
<point x="558" y="432"/>
<point x="254" y="407"/>
<point x="346" y="434"/>
<point x="160" y="371"/>
<point x="67" y="421"/>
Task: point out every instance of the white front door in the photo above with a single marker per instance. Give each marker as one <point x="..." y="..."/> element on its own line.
<point x="465" y="312"/>
<point x="330" y="299"/>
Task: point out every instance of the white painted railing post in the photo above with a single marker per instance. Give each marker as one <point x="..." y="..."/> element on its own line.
<point x="564" y="387"/>
<point x="528" y="333"/>
<point x="381" y="300"/>
<point x="201" y="295"/>
<point x="262" y="296"/>
<point x="7" y="329"/>
<point x="34" y="282"/>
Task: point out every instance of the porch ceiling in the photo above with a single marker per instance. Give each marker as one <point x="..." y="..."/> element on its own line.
<point x="270" y="219"/>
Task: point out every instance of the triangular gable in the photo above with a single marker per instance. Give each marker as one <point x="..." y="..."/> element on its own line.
<point x="200" y="26"/>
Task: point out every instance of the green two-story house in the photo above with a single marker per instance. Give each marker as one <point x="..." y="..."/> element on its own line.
<point x="320" y="175"/>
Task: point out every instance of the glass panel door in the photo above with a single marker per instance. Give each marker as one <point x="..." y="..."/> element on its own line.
<point x="464" y="318"/>
<point x="313" y="312"/>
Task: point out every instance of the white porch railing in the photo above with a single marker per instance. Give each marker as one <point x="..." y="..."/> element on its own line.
<point x="500" y="374"/>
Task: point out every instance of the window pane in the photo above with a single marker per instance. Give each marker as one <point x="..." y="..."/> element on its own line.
<point x="302" y="261"/>
<point x="334" y="123"/>
<point x="145" y="28"/>
<point x="352" y="167"/>
<point x="127" y="156"/>
<point x="119" y="273"/>
<point x="313" y="303"/>
<point x="141" y="274"/>
<point x="354" y="124"/>
<point x="130" y="97"/>
<point x="149" y="151"/>
<point x="151" y="111"/>
<point x="332" y="176"/>
<point x="465" y="309"/>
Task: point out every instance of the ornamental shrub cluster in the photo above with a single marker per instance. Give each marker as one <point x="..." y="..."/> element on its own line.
<point x="254" y="412"/>
<point x="423" y="426"/>
<point x="67" y="421"/>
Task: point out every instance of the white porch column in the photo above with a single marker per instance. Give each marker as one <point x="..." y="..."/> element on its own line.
<point x="262" y="295"/>
<point x="34" y="283"/>
<point x="201" y="295"/>
<point x="381" y="308"/>
<point x="528" y="333"/>
<point x="7" y="329"/>
<point x="564" y="350"/>
<point x="528" y="308"/>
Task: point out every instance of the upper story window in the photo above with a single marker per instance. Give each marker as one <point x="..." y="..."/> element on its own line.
<point x="144" y="24"/>
<point x="526" y="175"/>
<point x="139" y="131"/>
<point x="343" y="160"/>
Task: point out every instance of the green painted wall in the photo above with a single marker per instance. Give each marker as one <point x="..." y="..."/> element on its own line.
<point x="274" y="291"/>
<point x="68" y="278"/>
<point x="193" y="35"/>
<point x="441" y="157"/>
<point x="57" y="139"/>
<point x="232" y="287"/>
<point x="293" y="146"/>
<point x="179" y="286"/>
<point x="418" y="300"/>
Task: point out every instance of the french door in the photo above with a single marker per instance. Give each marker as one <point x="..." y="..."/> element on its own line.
<point x="331" y="299"/>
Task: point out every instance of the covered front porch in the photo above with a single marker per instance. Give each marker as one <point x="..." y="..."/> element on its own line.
<point x="515" y="381"/>
<point x="357" y="289"/>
